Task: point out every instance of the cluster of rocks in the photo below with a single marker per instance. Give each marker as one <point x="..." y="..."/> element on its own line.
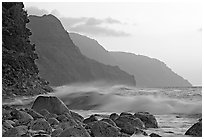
<point x="50" y="117"/>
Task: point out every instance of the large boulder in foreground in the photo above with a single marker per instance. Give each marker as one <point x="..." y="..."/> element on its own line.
<point x="128" y="124"/>
<point x="104" y="129"/>
<point x="148" y="119"/>
<point x="50" y="103"/>
<point x="195" y="130"/>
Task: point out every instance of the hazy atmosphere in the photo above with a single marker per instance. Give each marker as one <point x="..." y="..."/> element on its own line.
<point x="88" y="69"/>
<point x="170" y="32"/>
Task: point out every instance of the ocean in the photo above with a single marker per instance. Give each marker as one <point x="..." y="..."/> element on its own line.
<point x="176" y="109"/>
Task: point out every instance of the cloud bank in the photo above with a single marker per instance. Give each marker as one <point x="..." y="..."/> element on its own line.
<point x="87" y="25"/>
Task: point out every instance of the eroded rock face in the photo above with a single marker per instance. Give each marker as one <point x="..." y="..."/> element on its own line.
<point x="75" y="131"/>
<point x="195" y="130"/>
<point x="50" y="103"/>
<point x="128" y="124"/>
<point x="148" y="119"/>
<point x="103" y="129"/>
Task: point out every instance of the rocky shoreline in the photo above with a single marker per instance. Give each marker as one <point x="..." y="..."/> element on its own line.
<point x="50" y="117"/>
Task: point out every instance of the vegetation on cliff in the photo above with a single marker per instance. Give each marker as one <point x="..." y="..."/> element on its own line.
<point x="19" y="71"/>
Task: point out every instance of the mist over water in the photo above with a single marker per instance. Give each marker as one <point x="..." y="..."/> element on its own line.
<point x="120" y="98"/>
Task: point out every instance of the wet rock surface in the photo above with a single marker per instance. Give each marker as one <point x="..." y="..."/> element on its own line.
<point x="128" y="124"/>
<point x="47" y="122"/>
<point x="148" y="119"/>
<point x="51" y="103"/>
<point x="195" y="130"/>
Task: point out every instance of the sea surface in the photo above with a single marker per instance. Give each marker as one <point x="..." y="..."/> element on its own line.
<point x="176" y="109"/>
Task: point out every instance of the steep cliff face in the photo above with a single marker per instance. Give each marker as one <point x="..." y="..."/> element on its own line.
<point x="148" y="72"/>
<point x="92" y="49"/>
<point x="19" y="71"/>
<point x="61" y="62"/>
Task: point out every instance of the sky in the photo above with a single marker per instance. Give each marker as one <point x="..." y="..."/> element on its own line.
<point x="170" y="32"/>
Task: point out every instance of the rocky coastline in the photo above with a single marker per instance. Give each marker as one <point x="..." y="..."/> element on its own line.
<point x="50" y="117"/>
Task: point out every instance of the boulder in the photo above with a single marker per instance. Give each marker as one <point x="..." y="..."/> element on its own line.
<point x="53" y="121"/>
<point x="44" y="112"/>
<point x="126" y="114"/>
<point x="51" y="115"/>
<point x="140" y="132"/>
<point x="50" y="103"/>
<point x="154" y="135"/>
<point x="195" y="130"/>
<point x="34" y="114"/>
<point x="57" y="132"/>
<point x="21" y="116"/>
<point x="41" y="124"/>
<point x="114" y="116"/>
<point x="75" y="131"/>
<point x="148" y="119"/>
<point x="62" y="118"/>
<point x="16" y="131"/>
<point x="109" y="121"/>
<point x="128" y="124"/>
<point x="92" y="118"/>
<point x="103" y="129"/>
<point x="7" y="124"/>
<point x="68" y="123"/>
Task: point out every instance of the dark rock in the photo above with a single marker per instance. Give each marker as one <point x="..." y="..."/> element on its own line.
<point x="51" y="115"/>
<point x="7" y="124"/>
<point x="50" y="103"/>
<point x="41" y="135"/>
<point x="154" y="135"/>
<point x="148" y="119"/>
<point x="62" y="118"/>
<point x="34" y="114"/>
<point x="103" y="129"/>
<point x="44" y="112"/>
<point x="126" y="114"/>
<point x="92" y="118"/>
<point x="195" y="130"/>
<point x="57" y="132"/>
<point x="109" y="121"/>
<point x="76" y="131"/>
<point x="128" y="125"/>
<point x="114" y="116"/>
<point x="41" y="124"/>
<point x="16" y="131"/>
<point x="76" y="116"/>
<point x="123" y="135"/>
<point x="140" y="132"/>
<point x="21" y="116"/>
<point x="53" y="121"/>
<point x="68" y="123"/>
